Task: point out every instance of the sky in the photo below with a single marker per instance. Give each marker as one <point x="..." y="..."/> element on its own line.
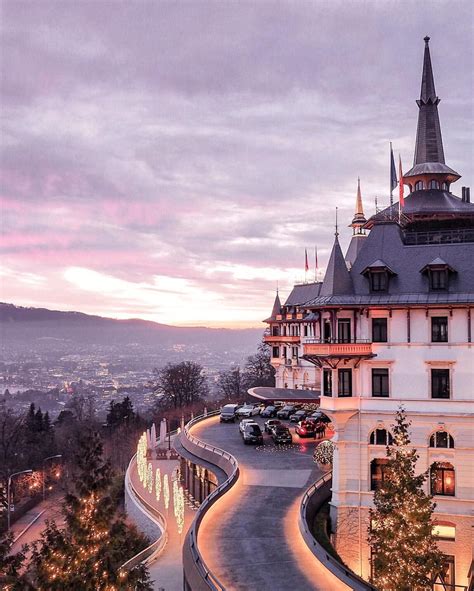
<point x="172" y="160"/>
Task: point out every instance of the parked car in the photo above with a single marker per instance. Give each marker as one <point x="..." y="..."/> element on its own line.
<point x="271" y="424"/>
<point x="248" y="410"/>
<point x="281" y="434"/>
<point x="320" y="416"/>
<point x="228" y="413"/>
<point x="306" y="428"/>
<point x="298" y="416"/>
<point x="268" y="411"/>
<point x="242" y="424"/>
<point x="252" y="434"/>
<point x="286" y="411"/>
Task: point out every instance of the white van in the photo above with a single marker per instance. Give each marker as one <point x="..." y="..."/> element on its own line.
<point x="228" y="413"/>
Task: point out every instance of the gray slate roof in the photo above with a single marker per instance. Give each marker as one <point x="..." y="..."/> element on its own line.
<point x="337" y="280"/>
<point x="302" y="293"/>
<point x="355" y="246"/>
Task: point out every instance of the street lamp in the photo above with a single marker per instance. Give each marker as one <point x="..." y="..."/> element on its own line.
<point x="44" y="472"/>
<point x="8" y="493"/>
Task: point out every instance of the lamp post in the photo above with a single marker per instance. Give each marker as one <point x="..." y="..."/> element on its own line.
<point x="8" y="493"/>
<point x="44" y="471"/>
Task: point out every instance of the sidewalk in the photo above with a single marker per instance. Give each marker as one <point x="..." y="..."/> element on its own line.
<point x="166" y="571"/>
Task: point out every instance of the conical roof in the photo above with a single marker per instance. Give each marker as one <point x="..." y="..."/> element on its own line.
<point x="337" y="280"/>
<point x="358" y="220"/>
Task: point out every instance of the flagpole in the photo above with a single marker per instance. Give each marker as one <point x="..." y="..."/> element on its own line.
<point x="391" y="190"/>
<point x="315" y="264"/>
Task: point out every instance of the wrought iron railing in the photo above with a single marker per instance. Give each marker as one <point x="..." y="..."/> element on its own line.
<point x="453" y="236"/>
<point x="336" y="341"/>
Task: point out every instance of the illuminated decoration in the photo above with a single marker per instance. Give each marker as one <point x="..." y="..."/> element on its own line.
<point x="401" y="535"/>
<point x="178" y="504"/>
<point x="142" y="459"/>
<point x="324" y="453"/>
<point x="149" y="478"/>
<point x="158" y="484"/>
<point x="166" y="491"/>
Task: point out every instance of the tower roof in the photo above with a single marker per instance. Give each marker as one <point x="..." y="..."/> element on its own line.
<point x="276" y="308"/>
<point x="358" y="220"/>
<point x="429" y="142"/>
<point x="337" y="280"/>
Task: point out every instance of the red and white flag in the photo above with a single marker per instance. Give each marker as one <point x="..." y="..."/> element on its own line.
<point x="400" y="186"/>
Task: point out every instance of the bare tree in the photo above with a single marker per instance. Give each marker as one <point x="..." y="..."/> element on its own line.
<point x="258" y="369"/>
<point x="232" y="384"/>
<point x="181" y="384"/>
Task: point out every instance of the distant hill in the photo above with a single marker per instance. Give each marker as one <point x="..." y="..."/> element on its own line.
<point x="18" y="323"/>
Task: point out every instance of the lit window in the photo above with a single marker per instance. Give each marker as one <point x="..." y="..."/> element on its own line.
<point x="441" y="439"/>
<point x="378" y="468"/>
<point x="381" y="437"/>
<point x="442" y="479"/>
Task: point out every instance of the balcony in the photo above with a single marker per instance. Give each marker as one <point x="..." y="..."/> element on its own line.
<point x="281" y="339"/>
<point x="332" y="352"/>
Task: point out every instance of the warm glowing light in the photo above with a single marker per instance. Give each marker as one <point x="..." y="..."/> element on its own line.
<point x="158" y="484"/>
<point x="166" y="491"/>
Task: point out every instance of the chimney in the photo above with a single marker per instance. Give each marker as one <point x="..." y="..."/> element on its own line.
<point x="463" y="194"/>
<point x="468" y="195"/>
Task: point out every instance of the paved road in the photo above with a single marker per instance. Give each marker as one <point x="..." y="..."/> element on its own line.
<point x="250" y="537"/>
<point x="48" y="509"/>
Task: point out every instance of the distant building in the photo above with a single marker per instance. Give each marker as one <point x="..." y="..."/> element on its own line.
<point x="392" y="324"/>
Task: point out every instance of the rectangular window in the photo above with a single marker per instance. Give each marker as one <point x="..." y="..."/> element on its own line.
<point x="276" y="352"/>
<point x="327" y="382"/>
<point x="344" y="330"/>
<point x="295" y="352"/>
<point x="327" y="331"/>
<point x="380" y="382"/>
<point x="344" y="382"/>
<point x="439" y="329"/>
<point x="379" y="330"/>
<point x="439" y="280"/>
<point x="440" y="383"/>
<point x="445" y="580"/>
<point x="378" y="281"/>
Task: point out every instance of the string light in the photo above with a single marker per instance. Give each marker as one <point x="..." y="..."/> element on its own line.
<point x="166" y="491"/>
<point x="149" y="478"/>
<point x="324" y="453"/>
<point x="158" y="484"/>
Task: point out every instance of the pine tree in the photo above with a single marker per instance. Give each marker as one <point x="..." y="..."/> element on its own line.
<point x="405" y="556"/>
<point x="80" y="555"/>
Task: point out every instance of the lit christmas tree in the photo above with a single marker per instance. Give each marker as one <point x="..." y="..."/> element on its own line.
<point x="405" y="556"/>
<point x="87" y="553"/>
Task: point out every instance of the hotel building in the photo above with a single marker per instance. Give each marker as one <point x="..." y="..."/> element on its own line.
<point x="391" y="324"/>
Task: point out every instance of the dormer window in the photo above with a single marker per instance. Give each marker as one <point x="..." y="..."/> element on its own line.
<point x="445" y="187"/>
<point x="438" y="272"/>
<point x="419" y="186"/>
<point x="378" y="274"/>
<point x="434" y="185"/>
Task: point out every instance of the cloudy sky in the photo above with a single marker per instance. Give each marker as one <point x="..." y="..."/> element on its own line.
<point x="172" y="160"/>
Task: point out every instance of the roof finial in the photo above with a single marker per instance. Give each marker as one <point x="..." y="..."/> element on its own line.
<point x="336" y="234"/>
<point x="426" y="40"/>
<point x="358" y="221"/>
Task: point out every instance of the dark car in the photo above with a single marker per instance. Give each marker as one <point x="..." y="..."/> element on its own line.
<point x="306" y="428"/>
<point x="269" y="411"/>
<point x="271" y="424"/>
<point x="320" y="416"/>
<point x="298" y="416"/>
<point x="282" y="435"/>
<point x="252" y="433"/>
<point x="286" y="411"/>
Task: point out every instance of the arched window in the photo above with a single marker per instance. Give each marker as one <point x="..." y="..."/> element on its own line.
<point x="441" y="439"/>
<point x="434" y="185"/>
<point x="381" y="437"/>
<point x="443" y="481"/>
<point x="419" y="186"/>
<point x="377" y="473"/>
<point x="445" y="187"/>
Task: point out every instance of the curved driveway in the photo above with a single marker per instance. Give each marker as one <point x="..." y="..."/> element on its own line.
<point x="250" y="538"/>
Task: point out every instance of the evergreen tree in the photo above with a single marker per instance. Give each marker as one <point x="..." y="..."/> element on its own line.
<point x="11" y="577"/>
<point x="86" y="554"/>
<point x="405" y="556"/>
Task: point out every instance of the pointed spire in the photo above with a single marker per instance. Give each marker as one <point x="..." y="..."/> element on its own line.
<point x="429" y="143"/>
<point x="337" y="280"/>
<point x="276" y="306"/>
<point x="358" y="220"/>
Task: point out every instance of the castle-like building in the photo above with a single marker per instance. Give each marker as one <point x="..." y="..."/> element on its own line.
<point x="392" y="324"/>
